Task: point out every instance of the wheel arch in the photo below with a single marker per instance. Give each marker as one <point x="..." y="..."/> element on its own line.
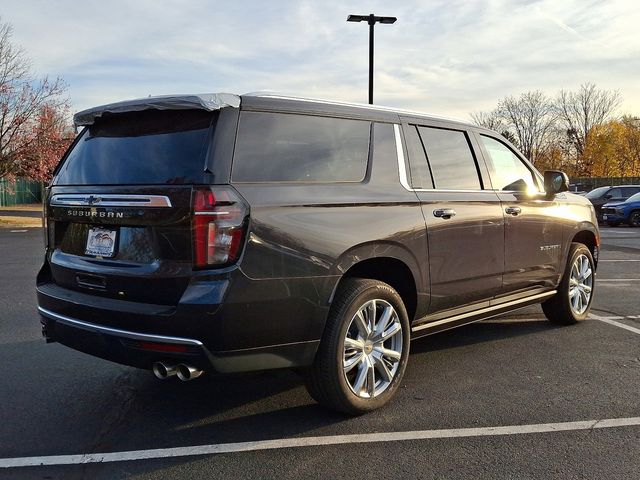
<point x="396" y="267"/>
<point x="589" y="238"/>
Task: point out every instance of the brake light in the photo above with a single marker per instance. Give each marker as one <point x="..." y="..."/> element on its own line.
<point x="219" y="223"/>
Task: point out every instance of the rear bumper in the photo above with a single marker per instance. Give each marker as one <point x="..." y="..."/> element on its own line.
<point x="141" y="350"/>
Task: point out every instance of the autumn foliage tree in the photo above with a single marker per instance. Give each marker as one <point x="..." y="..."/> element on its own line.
<point x="612" y="149"/>
<point x="573" y="132"/>
<point x="33" y="131"/>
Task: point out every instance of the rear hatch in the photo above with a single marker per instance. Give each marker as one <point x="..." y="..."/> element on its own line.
<point x="119" y="208"/>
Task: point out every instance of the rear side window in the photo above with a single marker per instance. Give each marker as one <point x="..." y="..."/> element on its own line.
<point x="420" y="175"/>
<point x="149" y="147"/>
<point x="274" y="147"/>
<point x="452" y="164"/>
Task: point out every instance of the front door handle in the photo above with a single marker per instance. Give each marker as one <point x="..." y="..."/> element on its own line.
<point x="513" y="210"/>
<point x="444" y="212"/>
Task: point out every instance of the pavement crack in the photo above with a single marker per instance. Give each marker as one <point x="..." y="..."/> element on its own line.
<point x="120" y="400"/>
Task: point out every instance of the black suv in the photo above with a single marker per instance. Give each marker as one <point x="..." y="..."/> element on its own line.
<point x="614" y="194"/>
<point x="219" y="233"/>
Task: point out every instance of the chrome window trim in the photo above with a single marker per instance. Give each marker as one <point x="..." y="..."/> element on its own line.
<point x="109" y="200"/>
<point x="402" y="166"/>
<point x="115" y="331"/>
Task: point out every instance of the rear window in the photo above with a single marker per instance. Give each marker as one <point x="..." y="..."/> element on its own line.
<point x="274" y="147"/>
<point x="150" y="147"/>
<point x="452" y="163"/>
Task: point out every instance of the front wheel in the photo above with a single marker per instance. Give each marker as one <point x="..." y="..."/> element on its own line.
<point x="364" y="350"/>
<point x="575" y="293"/>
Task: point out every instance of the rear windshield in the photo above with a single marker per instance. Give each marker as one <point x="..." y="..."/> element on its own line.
<point x="150" y="147"/>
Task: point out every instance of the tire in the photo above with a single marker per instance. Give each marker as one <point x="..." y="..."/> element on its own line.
<point x="368" y="354"/>
<point x="634" y="218"/>
<point x="571" y="305"/>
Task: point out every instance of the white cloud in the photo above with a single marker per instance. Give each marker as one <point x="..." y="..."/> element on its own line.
<point x="446" y="57"/>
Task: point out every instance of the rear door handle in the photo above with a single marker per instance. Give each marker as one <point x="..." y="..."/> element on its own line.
<point x="513" y="210"/>
<point x="444" y="212"/>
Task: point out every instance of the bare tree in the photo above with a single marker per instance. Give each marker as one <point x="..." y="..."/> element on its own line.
<point x="23" y="99"/>
<point x="580" y="111"/>
<point x="491" y="120"/>
<point x="531" y="119"/>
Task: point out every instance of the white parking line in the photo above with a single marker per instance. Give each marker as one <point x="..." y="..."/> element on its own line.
<point x="623" y="260"/>
<point x="612" y="321"/>
<point x="17" y="231"/>
<point x="618" y="280"/>
<point x="315" y="442"/>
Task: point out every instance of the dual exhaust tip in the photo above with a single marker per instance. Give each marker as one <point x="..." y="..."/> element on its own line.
<point x="184" y="372"/>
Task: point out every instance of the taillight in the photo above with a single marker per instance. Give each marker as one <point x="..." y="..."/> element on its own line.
<point x="219" y="223"/>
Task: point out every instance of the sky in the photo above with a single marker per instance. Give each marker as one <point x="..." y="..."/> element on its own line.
<point x="441" y="57"/>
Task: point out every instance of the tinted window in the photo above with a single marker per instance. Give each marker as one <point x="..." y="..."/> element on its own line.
<point x="384" y="155"/>
<point x="506" y="169"/>
<point x="634" y="198"/>
<point x="150" y="147"/>
<point x="628" y="191"/>
<point x="420" y="175"/>
<point x="450" y="158"/>
<point x="275" y="147"/>
<point x="614" y="193"/>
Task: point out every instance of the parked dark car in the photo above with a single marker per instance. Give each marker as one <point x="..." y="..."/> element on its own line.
<point x="614" y="194"/>
<point x="218" y="233"/>
<point x="628" y="212"/>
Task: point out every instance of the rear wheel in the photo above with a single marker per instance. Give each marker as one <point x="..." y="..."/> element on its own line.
<point x="634" y="218"/>
<point x="364" y="350"/>
<point x="575" y="293"/>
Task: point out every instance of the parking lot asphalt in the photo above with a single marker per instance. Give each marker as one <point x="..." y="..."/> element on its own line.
<point x="515" y="371"/>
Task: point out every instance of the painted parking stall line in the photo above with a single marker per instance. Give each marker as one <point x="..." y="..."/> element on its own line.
<point x="612" y="321"/>
<point x="619" y="260"/>
<point x="316" y="442"/>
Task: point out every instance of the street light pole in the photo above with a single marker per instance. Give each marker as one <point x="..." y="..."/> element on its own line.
<point x="371" y="24"/>
<point x="371" y="19"/>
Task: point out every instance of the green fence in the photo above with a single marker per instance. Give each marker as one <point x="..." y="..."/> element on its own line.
<point x="19" y="192"/>
<point x="587" y="184"/>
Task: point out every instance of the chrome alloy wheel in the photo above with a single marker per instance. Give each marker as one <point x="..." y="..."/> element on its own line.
<point x="372" y="349"/>
<point x="580" y="284"/>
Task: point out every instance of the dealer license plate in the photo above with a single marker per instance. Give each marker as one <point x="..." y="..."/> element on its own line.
<point x="101" y="242"/>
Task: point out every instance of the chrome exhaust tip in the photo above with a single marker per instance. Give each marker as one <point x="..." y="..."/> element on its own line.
<point x="163" y="370"/>
<point x="188" y="372"/>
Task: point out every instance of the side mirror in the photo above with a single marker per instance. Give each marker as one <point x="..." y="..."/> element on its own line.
<point x="608" y="196"/>
<point x="555" y="182"/>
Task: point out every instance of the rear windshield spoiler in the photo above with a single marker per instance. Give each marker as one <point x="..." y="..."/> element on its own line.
<point x="206" y="101"/>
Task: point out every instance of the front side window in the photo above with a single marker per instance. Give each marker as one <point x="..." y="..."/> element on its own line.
<point x="452" y="164"/>
<point x="614" y="193"/>
<point x="507" y="171"/>
<point x="275" y="147"/>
